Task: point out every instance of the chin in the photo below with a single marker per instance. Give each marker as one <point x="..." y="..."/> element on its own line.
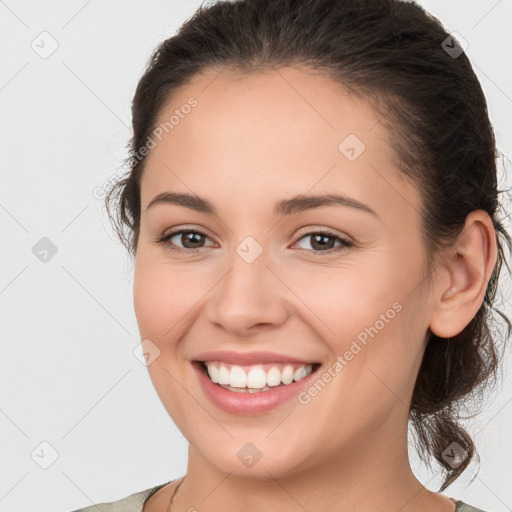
<point x="252" y="457"/>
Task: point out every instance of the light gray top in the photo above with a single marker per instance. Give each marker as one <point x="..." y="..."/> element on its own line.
<point x="135" y="503"/>
<point x="132" y="503"/>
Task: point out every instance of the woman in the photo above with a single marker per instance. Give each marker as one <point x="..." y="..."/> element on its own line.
<point x="312" y="205"/>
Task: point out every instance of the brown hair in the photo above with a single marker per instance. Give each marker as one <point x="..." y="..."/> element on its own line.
<point x="396" y="56"/>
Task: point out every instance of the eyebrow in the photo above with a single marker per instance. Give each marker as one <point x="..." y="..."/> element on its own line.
<point x="283" y="207"/>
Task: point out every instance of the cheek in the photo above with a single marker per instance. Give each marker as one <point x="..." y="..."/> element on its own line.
<point x="158" y="297"/>
<point x="342" y="302"/>
<point x="167" y="296"/>
<point x="365" y="313"/>
<point x="162" y="309"/>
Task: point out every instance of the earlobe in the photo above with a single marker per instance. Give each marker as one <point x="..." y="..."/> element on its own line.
<point x="460" y="294"/>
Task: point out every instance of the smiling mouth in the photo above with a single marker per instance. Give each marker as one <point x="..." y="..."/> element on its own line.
<point x="255" y="378"/>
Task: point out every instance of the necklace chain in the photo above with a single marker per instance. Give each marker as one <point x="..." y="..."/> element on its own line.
<point x="169" y="509"/>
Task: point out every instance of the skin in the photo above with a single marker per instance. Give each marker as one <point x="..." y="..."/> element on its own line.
<point x="250" y="141"/>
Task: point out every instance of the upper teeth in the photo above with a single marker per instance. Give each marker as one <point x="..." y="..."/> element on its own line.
<point x="255" y="377"/>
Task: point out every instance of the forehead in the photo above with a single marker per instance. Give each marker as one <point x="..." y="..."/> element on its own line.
<point x="263" y="136"/>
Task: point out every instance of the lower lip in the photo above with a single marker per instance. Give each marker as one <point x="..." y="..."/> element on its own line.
<point x="246" y="403"/>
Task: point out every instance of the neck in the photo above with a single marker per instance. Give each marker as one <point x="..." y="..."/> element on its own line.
<point x="367" y="476"/>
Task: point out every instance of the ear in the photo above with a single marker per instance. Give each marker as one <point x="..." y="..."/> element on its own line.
<point x="466" y="273"/>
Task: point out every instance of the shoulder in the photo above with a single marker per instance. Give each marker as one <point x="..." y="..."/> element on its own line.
<point x="464" y="507"/>
<point x="132" y="503"/>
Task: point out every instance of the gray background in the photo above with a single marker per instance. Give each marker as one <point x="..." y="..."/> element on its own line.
<point x="68" y="373"/>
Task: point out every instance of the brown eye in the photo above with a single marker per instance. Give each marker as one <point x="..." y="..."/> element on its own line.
<point x="190" y="240"/>
<point x="322" y="241"/>
<point x="187" y="240"/>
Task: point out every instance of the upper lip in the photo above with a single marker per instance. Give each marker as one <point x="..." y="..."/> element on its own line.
<point x="249" y="358"/>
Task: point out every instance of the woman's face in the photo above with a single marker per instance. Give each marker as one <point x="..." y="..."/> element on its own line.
<point x="266" y="277"/>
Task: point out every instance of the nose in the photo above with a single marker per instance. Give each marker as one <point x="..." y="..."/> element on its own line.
<point x="249" y="299"/>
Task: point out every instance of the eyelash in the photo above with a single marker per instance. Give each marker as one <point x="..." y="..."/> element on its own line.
<point x="344" y="243"/>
